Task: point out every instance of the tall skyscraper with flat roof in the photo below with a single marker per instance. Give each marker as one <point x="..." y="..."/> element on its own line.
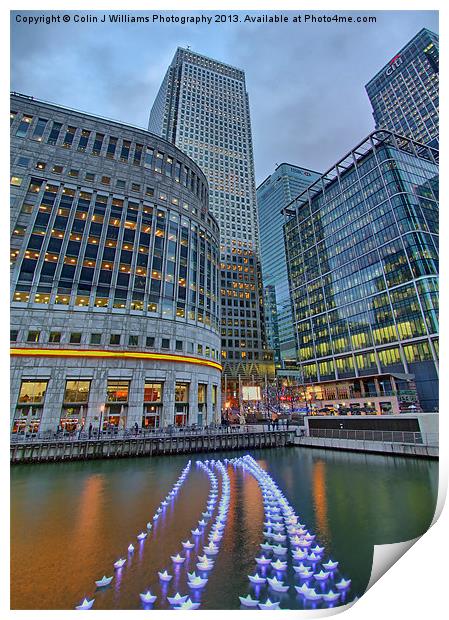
<point x="362" y="254"/>
<point x="202" y="107"/>
<point x="275" y="193"/>
<point x="404" y="93"/>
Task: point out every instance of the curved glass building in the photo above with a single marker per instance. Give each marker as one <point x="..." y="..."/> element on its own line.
<point x="115" y="276"/>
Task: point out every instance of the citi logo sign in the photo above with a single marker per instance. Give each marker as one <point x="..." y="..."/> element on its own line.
<point x="393" y="64"/>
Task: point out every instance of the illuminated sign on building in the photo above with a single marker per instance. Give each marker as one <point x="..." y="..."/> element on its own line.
<point x="393" y="64"/>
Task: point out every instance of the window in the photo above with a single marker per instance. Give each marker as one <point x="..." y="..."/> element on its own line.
<point x="84" y="139"/>
<point x="117" y="391"/>
<point x="68" y="139"/>
<point x="135" y="187"/>
<point x="152" y="392"/>
<point x="75" y="338"/>
<point x="41" y="165"/>
<point x="150" y="342"/>
<point x="112" y="145"/>
<point x="133" y="340"/>
<point x="54" y="133"/>
<point x="148" y="161"/>
<point x="23" y="162"/>
<point x="165" y="343"/>
<point x="57" y="169"/>
<point x="124" y="154"/>
<point x="74" y="173"/>
<point x="98" y="143"/>
<point x="114" y="339"/>
<point x="39" y="129"/>
<point x="76" y="391"/>
<point x="182" y="392"/>
<point x="105" y="180"/>
<point x="33" y="336"/>
<point x="120" y="184"/>
<point x="13" y="334"/>
<point x="95" y="339"/>
<point x="54" y="337"/>
<point x="32" y="392"/>
<point x="138" y="154"/>
<point x="16" y="181"/>
<point x="89" y="176"/>
<point x="24" y="125"/>
<point x="178" y="345"/>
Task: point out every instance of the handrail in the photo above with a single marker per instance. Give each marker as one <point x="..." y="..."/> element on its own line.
<point x="404" y="437"/>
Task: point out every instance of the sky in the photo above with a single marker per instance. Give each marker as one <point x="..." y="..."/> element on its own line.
<point x="306" y="81"/>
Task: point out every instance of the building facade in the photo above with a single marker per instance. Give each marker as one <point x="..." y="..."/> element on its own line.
<point x="115" y="276"/>
<point x="362" y="253"/>
<point x="404" y="93"/>
<point x="276" y="192"/>
<point x="202" y="107"/>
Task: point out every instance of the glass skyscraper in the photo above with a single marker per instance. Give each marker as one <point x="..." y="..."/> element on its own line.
<point x="362" y="253"/>
<point x="202" y="107"/>
<point x="275" y="193"/>
<point x="404" y="93"/>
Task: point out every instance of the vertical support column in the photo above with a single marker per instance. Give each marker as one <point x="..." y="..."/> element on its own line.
<point x="135" y="399"/>
<point x="193" y="399"/>
<point x="168" y="409"/>
<point x="97" y="400"/>
<point x="54" y="398"/>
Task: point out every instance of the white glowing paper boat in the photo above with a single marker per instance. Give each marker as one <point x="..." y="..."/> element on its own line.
<point x="196" y="532"/>
<point x="188" y="604"/>
<point x="331" y="596"/>
<point x="276" y="584"/>
<point x="306" y="574"/>
<point x="142" y="535"/>
<point x="119" y="563"/>
<point x="314" y="558"/>
<point x="317" y="549"/>
<point x="257" y="579"/>
<point x="202" y="522"/>
<point x="164" y="503"/>
<point x="204" y="566"/>
<point x="155" y="517"/>
<point x="279" y="565"/>
<point x="300" y="568"/>
<point x="197" y="582"/>
<point x="206" y="515"/>
<point x="131" y="548"/>
<point x="164" y="576"/>
<point x="263" y="561"/>
<point x="279" y="550"/>
<point x="330" y="565"/>
<point x="247" y="601"/>
<point x="149" y="525"/>
<point x="104" y="581"/>
<point x="266" y="546"/>
<point x="211" y="549"/>
<point x="187" y="544"/>
<point x="86" y="604"/>
<point x="322" y="576"/>
<point x="343" y="584"/>
<point x="269" y="605"/>
<point x="177" y="559"/>
<point x="311" y="595"/>
<point x="177" y="599"/>
<point x="302" y="589"/>
<point x="147" y="597"/>
<point x="279" y="538"/>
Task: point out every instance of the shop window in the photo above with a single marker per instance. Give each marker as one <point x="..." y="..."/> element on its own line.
<point x="29" y="406"/>
<point x="181" y="404"/>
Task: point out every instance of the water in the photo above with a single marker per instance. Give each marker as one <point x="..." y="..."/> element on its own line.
<point x="71" y="521"/>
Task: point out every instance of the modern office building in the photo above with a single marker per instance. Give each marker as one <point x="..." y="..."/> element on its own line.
<point x="362" y="254"/>
<point x="276" y="192"/>
<point x="115" y="276"/>
<point x="404" y="93"/>
<point x="202" y="107"/>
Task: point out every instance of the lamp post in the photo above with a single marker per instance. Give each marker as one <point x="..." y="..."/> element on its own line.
<point x="101" y="419"/>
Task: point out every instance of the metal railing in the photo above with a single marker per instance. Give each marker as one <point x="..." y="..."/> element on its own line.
<point x="154" y="433"/>
<point x="408" y="437"/>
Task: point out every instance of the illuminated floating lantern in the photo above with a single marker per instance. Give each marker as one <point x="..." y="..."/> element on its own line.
<point x="86" y="604"/>
<point x="188" y="604"/>
<point x="257" y="579"/>
<point x="306" y="574"/>
<point x="248" y="601"/>
<point x="330" y="565"/>
<point x="104" y="581"/>
<point x="177" y="599"/>
<point x="269" y="605"/>
<point x="204" y="566"/>
<point x="279" y="549"/>
<point x="279" y="565"/>
<point x="300" y="568"/>
<point x="331" y="596"/>
<point x="202" y="522"/>
<point x="304" y="543"/>
<point x="322" y="576"/>
<point x="164" y="503"/>
<point x="277" y="527"/>
<point x="130" y="548"/>
<point x="119" y="563"/>
<point x="312" y="557"/>
<point x="312" y="595"/>
<point x="149" y="525"/>
<point x="343" y="584"/>
<point x="197" y="582"/>
<point x="147" y="597"/>
<point x="279" y="537"/>
<point x="211" y="549"/>
<point x="276" y="585"/>
<point x="156" y="517"/>
<point x="317" y="549"/>
<point x="299" y="555"/>
<point x="187" y="544"/>
<point x="196" y="532"/>
<point x="142" y="535"/>
<point x="206" y="515"/>
<point x="266" y="546"/>
<point x="302" y="589"/>
<point x="263" y="561"/>
<point x="164" y="576"/>
<point x="177" y="559"/>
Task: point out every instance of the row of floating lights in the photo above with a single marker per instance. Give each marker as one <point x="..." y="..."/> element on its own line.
<point x="119" y="564"/>
<point x="282" y="525"/>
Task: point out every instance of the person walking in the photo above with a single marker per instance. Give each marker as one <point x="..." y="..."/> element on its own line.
<point x="90" y="430"/>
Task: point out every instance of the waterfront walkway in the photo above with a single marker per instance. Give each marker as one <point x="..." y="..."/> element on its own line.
<point x="52" y="447"/>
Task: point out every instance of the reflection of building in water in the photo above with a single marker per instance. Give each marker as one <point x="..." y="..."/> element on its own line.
<point x="362" y="250"/>
<point x="320" y="498"/>
<point x="115" y="276"/>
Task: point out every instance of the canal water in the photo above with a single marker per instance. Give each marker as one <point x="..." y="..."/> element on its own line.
<point x="71" y="521"/>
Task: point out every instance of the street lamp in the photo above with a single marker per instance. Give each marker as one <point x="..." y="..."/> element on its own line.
<point x="101" y="418"/>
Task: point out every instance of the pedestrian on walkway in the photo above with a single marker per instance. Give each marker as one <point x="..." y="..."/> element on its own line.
<point x="90" y="430"/>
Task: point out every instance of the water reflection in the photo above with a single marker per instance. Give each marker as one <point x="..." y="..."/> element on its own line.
<point x="86" y="514"/>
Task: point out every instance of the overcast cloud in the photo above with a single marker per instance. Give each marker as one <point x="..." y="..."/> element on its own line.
<point x="305" y="81"/>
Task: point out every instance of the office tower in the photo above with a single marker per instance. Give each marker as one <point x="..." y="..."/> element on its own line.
<point x="111" y="236"/>
<point x="275" y="193"/>
<point x="362" y="253"/>
<point x="202" y="107"/>
<point x="404" y="93"/>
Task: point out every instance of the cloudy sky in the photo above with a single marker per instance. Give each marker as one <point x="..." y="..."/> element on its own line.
<point x="305" y="81"/>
